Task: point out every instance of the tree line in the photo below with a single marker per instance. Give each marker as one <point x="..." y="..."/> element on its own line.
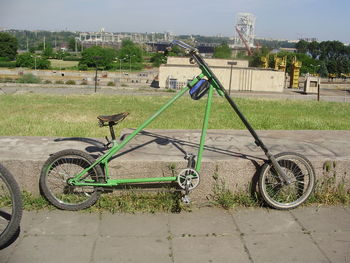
<point x="332" y="55"/>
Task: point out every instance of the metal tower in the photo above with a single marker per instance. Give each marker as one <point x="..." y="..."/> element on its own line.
<point x="244" y="30"/>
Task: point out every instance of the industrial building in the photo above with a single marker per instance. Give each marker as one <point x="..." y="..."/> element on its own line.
<point x="235" y="75"/>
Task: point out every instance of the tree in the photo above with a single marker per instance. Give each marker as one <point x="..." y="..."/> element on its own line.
<point x="25" y="60"/>
<point x="48" y="51"/>
<point x="302" y="46"/>
<point x="73" y="44"/>
<point x="314" y="49"/>
<point x="8" y="46"/>
<point x="28" y="60"/>
<point x="222" y="51"/>
<point x="323" y="70"/>
<point x="97" y="57"/>
<point x="157" y="59"/>
<point x="130" y="50"/>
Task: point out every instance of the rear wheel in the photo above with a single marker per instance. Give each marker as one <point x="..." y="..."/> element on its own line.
<point x="279" y="195"/>
<point x="65" y="165"/>
<point x="10" y="206"/>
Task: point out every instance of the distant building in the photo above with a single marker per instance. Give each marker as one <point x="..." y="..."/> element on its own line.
<point x="239" y="77"/>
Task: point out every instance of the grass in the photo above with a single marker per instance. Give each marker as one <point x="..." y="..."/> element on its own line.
<point x="56" y="63"/>
<point x="125" y="202"/>
<point x="75" y="115"/>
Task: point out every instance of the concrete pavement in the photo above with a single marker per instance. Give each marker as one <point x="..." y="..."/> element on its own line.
<point x="307" y="234"/>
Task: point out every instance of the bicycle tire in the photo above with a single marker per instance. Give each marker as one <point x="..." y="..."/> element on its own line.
<point x="70" y="198"/>
<point x="11" y="221"/>
<point x="275" y="193"/>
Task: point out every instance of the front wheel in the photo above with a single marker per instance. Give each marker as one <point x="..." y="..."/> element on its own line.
<point x="10" y="206"/>
<point x="279" y="195"/>
<point x="62" y="166"/>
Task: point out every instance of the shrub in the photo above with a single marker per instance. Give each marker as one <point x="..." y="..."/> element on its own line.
<point x="110" y="83"/>
<point x="71" y="58"/>
<point x="7" y="80"/>
<point x="48" y="81"/>
<point x="70" y="82"/>
<point x="7" y="64"/>
<point x="84" y="82"/>
<point x="29" y="78"/>
<point x="59" y="82"/>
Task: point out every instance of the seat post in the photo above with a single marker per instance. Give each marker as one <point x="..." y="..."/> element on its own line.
<point x="110" y="124"/>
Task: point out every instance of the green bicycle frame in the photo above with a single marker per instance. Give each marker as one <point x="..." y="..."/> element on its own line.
<point x="78" y="180"/>
<point x="104" y="159"/>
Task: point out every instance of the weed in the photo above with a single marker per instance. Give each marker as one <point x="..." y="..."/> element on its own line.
<point x="131" y="202"/>
<point x="70" y="82"/>
<point x="29" y="78"/>
<point x="327" y="190"/>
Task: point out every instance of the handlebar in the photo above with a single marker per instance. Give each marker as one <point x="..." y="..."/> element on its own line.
<point x="183" y="45"/>
<point x="206" y="71"/>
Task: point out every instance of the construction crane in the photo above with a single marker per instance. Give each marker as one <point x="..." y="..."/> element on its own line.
<point x="244" y="41"/>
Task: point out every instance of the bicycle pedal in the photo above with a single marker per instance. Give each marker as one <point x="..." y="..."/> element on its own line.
<point x="186" y="200"/>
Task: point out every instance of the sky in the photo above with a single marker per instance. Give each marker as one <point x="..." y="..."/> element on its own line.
<point x="278" y="19"/>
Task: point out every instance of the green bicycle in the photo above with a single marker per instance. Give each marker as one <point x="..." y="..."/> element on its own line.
<point x="73" y="180"/>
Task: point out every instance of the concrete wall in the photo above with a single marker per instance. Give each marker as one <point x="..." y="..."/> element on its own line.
<point x="212" y="62"/>
<point x="104" y="77"/>
<point x="242" y="78"/>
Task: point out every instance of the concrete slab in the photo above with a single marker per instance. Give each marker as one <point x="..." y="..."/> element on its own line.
<point x="26" y="221"/>
<point x="209" y="249"/>
<point x="203" y="222"/>
<point x="130" y="225"/>
<point x="335" y="245"/>
<point x="64" y="223"/>
<point x="34" y="249"/>
<point x="264" y="221"/>
<point x="132" y="249"/>
<point x="323" y="219"/>
<point x="283" y="247"/>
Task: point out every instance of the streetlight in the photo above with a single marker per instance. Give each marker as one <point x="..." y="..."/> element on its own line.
<point x="120" y="68"/>
<point x="130" y="62"/>
<point x="97" y="59"/>
<point x="231" y="63"/>
<point x="34" y="61"/>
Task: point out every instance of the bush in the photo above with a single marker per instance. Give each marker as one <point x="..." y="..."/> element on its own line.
<point x="29" y="78"/>
<point x="84" y="82"/>
<point x="7" y="80"/>
<point x="71" y="58"/>
<point x="7" y="64"/>
<point x="59" y="82"/>
<point x="82" y="67"/>
<point x="110" y="83"/>
<point x="48" y="81"/>
<point x="70" y="82"/>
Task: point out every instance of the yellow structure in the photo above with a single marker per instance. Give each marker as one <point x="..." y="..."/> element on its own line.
<point x="295" y="73"/>
<point x="280" y="63"/>
<point x="265" y="61"/>
<point x="277" y="62"/>
<point x="282" y="66"/>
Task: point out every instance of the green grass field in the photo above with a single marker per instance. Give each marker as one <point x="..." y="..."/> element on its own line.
<point x="56" y="63"/>
<point x="75" y="115"/>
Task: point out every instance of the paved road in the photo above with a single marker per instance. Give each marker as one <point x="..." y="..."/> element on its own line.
<point x="312" y="234"/>
<point x="327" y="94"/>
